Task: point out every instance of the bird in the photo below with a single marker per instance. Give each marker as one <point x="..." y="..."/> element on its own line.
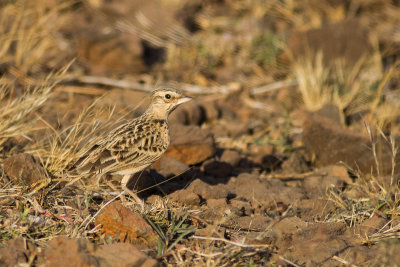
<point x="135" y="145"/>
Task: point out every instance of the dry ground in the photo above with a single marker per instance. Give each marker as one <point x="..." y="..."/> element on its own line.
<point x="286" y="157"/>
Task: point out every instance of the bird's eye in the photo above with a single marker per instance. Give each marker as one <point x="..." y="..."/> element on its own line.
<point x="168" y="96"/>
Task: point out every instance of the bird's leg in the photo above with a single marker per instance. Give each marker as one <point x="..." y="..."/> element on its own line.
<point x="124" y="183"/>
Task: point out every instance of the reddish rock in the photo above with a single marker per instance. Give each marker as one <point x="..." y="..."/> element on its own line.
<point x="190" y="144"/>
<point x="117" y="220"/>
<point x="26" y="170"/>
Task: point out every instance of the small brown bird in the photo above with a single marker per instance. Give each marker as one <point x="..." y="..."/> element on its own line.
<point x="133" y="146"/>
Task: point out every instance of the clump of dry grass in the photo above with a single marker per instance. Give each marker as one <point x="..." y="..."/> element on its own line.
<point x="28" y="34"/>
<point x="381" y="194"/>
<point x="361" y="90"/>
<point x="16" y="114"/>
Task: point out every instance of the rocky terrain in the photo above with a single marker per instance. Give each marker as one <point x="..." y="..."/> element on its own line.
<point x="287" y="156"/>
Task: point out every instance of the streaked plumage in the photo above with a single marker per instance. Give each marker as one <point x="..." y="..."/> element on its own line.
<point x="134" y="146"/>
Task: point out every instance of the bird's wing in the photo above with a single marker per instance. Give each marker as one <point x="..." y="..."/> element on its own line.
<point x="130" y="146"/>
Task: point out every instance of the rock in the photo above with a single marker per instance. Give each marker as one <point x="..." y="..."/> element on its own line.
<point x="17" y="252"/>
<point x="315" y="243"/>
<point x="255" y="222"/>
<point x="318" y="184"/>
<point x="218" y="169"/>
<point x="124" y="254"/>
<point x="216" y="203"/>
<point x="270" y="162"/>
<point x="207" y="191"/>
<point x="26" y="170"/>
<point x="329" y="143"/>
<point x="288" y="225"/>
<point x="189" y="114"/>
<point x="231" y="128"/>
<point x="295" y="164"/>
<point x="190" y="144"/>
<point x="265" y="193"/>
<point x="330" y="111"/>
<point x="186" y="197"/>
<point x="63" y="251"/>
<point x="371" y="225"/>
<point x="168" y="167"/>
<point x="355" y="42"/>
<point x="261" y="150"/>
<point x="117" y="220"/>
<point x="116" y="52"/>
<point x="244" y="206"/>
<point x="211" y="109"/>
<point x="315" y="208"/>
<point x="231" y="156"/>
<point x="340" y="172"/>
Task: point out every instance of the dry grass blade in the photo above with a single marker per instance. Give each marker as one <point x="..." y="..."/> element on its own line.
<point x="15" y="119"/>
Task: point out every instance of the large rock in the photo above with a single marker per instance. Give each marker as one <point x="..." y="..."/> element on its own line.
<point x="117" y="220"/>
<point x="190" y="144"/>
<point x="353" y="45"/>
<point x="25" y="170"/>
<point x="328" y="143"/>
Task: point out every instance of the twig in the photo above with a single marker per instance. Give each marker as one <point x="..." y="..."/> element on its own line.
<point x="288" y="261"/>
<point x="343" y="261"/>
<point x="189" y="88"/>
<point x="293" y="176"/>
<point x="81" y="90"/>
<point x="98" y="212"/>
<point x="229" y="242"/>
<point x="272" y="87"/>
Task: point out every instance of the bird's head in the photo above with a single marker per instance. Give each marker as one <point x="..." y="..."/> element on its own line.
<point x="165" y="100"/>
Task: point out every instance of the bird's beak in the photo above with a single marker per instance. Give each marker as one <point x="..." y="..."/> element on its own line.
<point x="184" y="99"/>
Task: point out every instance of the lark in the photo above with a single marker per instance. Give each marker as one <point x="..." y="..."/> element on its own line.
<point x="133" y="146"/>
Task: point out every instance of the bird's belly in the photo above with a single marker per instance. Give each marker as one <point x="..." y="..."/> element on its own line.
<point x="129" y="171"/>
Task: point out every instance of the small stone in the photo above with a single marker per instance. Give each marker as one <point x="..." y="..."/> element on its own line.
<point x="62" y="251"/>
<point x="190" y="144"/>
<point x="185" y="196"/>
<point x="168" y="166"/>
<point x="25" y="170"/>
<point x="117" y="220"/>
<point x="231" y="156"/>
<point x="218" y="169"/>
<point x="216" y="203"/>
<point x="207" y="191"/>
